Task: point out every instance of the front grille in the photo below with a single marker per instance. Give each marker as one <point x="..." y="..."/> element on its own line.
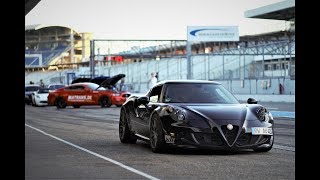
<point x="246" y="139"/>
<point x="209" y="138"/>
<point x="263" y="139"/>
<point x="230" y="134"/>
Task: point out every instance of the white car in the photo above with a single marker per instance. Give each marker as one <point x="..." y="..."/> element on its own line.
<point x="29" y="89"/>
<point x="40" y="97"/>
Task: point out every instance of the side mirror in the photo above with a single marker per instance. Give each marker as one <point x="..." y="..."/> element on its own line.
<point x="143" y="100"/>
<point x="252" y="101"/>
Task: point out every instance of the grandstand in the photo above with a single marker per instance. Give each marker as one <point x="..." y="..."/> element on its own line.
<point x="284" y="11"/>
<point x="52" y="47"/>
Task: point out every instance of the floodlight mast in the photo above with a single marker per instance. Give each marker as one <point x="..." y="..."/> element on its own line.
<point x="92" y="63"/>
<point x="189" y="75"/>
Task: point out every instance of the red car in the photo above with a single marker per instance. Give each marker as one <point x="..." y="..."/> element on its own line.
<point x="86" y="93"/>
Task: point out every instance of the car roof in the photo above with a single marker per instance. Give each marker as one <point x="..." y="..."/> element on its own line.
<point x="82" y="83"/>
<point x="186" y="81"/>
<point x="32" y="85"/>
<point x="44" y="89"/>
<point x="56" y="84"/>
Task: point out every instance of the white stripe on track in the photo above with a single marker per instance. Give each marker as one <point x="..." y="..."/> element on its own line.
<point x="96" y="154"/>
<point x="288" y="148"/>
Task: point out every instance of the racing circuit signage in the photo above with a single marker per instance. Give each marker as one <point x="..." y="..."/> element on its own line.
<point x="213" y="33"/>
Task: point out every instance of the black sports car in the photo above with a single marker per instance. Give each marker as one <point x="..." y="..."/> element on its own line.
<point x="194" y="113"/>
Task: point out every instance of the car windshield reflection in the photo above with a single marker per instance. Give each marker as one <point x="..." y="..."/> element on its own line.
<point x="32" y="88"/>
<point x="57" y="86"/>
<point x="43" y="91"/>
<point x="198" y="93"/>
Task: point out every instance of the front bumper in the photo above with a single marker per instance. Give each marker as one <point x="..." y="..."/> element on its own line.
<point x="41" y="102"/>
<point x="227" y="140"/>
<point x="212" y="141"/>
<point x="118" y="100"/>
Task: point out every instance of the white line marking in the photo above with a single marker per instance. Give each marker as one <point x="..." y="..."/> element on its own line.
<point x="98" y="155"/>
<point x="143" y="137"/>
<point x="284" y="147"/>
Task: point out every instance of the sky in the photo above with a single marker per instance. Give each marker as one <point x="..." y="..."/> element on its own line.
<point x="150" y="19"/>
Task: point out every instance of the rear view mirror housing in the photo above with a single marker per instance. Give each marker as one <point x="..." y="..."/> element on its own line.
<point x="143" y="100"/>
<point x="252" y="101"/>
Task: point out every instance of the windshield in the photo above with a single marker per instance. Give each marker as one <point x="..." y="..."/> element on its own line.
<point x="32" y="88"/>
<point x="95" y="86"/>
<point x="198" y="93"/>
<point x="57" y="86"/>
<point x="43" y="91"/>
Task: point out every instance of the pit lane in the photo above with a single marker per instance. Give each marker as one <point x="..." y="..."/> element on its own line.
<point x="96" y="129"/>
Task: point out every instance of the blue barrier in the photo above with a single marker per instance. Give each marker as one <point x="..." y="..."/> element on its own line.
<point x="286" y="114"/>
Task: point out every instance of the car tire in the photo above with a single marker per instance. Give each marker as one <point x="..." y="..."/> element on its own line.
<point x="60" y="103"/>
<point x="35" y="103"/>
<point x="157" y="141"/>
<point x="125" y="135"/>
<point x="76" y="106"/>
<point x="32" y="103"/>
<point x="263" y="149"/>
<point x="105" y="102"/>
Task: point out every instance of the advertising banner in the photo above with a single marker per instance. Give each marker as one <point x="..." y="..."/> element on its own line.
<point x="213" y="33"/>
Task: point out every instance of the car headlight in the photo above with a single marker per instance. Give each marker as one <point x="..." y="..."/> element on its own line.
<point x="115" y="94"/>
<point x="181" y="117"/>
<point x="175" y="113"/>
<point x="37" y="96"/>
<point x="264" y="115"/>
<point x="261" y="113"/>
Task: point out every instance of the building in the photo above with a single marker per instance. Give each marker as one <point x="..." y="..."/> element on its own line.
<point x="53" y="47"/>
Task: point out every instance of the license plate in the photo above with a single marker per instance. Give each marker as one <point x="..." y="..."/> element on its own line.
<point x="261" y="131"/>
<point x="169" y="139"/>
